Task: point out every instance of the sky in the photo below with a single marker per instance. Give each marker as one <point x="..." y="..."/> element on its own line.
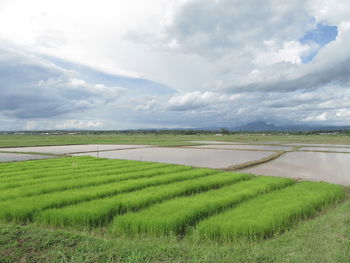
<point x="130" y="64"/>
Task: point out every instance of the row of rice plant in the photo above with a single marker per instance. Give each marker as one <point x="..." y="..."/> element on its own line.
<point x="20" y="174"/>
<point x="74" y="174"/>
<point x="271" y="213"/>
<point x="24" y="174"/>
<point x="75" y="171"/>
<point x="100" y="212"/>
<point x="175" y="215"/>
<point x="23" y="208"/>
<point x="96" y="178"/>
<point x="8" y="167"/>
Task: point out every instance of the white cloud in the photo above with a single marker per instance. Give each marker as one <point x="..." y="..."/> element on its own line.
<point x="35" y="87"/>
<point x="229" y="60"/>
<point x="292" y="51"/>
<point x="78" y="124"/>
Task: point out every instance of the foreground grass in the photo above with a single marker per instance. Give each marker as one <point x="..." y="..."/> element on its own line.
<point x="161" y="139"/>
<point x="323" y="239"/>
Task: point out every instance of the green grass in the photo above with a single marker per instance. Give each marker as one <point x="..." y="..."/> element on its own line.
<point x="175" y="215"/>
<point x="271" y="213"/>
<point x="160" y="139"/>
<point x="100" y="212"/>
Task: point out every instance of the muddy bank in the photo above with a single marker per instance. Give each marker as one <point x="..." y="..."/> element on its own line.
<point x="188" y="156"/>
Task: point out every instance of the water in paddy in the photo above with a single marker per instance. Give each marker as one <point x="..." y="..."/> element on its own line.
<point x="214" y="142"/>
<point x="8" y="157"/>
<point x="248" y="147"/>
<point x="315" y="166"/>
<point x="326" y="149"/>
<point x="62" y="149"/>
<point x="318" y="144"/>
<point x="188" y="156"/>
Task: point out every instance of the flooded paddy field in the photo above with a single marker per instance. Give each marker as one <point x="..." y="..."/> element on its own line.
<point x="314" y="166"/>
<point x="245" y="142"/>
<point x="246" y="147"/>
<point x="9" y="157"/>
<point x="188" y="156"/>
<point x="317" y="145"/>
<point x="214" y="142"/>
<point x="328" y="166"/>
<point x="67" y="149"/>
<point x="326" y="149"/>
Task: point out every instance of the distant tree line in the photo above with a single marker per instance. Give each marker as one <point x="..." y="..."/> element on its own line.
<point x="222" y="131"/>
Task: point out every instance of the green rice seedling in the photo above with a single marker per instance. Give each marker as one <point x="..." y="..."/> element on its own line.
<point x="23" y="208"/>
<point x="100" y="212"/>
<point x="44" y="163"/>
<point x="271" y="213"/>
<point x="41" y="172"/>
<point x="61" y="175"/>
<point x="74" y="173"/>
<point x="107" y="177"/>
<point x="175" y="215"/>
<point x="50" y="171"/>
<point x="84" y="175"/>
<point x="9" y="165"/>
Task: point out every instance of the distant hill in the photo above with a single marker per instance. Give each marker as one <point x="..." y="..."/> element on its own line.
<point x="259" y="126"/>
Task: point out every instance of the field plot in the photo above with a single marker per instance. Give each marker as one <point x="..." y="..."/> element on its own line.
<point x="271" y="213"/>
<point x="245" y="147"/>
<point x="9" y="157"/>
<point x="326" y="149"/>
<point x="317" y="144"/>
<point x="187" y="156"/>
<point x="314" y="166"/>
<point x="214" y="142"/>
<point x="175" y="215"/>
<point x="133" y="197"/>
<point x="100" y="212"/>
<point x="67" y="149"/>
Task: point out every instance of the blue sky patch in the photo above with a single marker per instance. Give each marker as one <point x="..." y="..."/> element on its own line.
<point x="321" y="35"/>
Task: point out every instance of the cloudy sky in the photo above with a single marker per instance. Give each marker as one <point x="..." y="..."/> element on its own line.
<point x="120" y="64"/>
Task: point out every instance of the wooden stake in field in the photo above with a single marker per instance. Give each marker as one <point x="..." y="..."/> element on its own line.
<point x="74" y="165"/>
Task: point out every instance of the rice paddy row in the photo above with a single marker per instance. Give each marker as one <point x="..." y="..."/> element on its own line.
<point x="144" y="198"/>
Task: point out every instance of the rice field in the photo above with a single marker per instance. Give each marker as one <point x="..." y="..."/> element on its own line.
<point x="146" y="198"/>
<point x="271" y="213"/>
